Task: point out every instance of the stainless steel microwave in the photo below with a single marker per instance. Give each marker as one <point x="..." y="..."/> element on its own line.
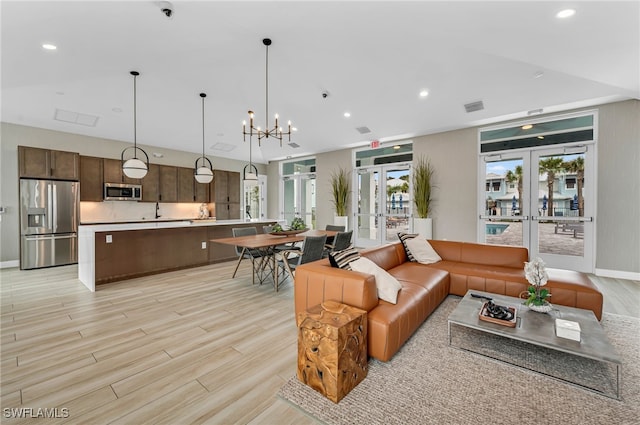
<point x="122" y="192"/>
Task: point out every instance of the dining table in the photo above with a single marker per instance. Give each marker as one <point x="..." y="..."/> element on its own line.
<point x="265" y="244"/>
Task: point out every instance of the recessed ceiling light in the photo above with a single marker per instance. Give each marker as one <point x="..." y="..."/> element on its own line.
<point x="158" y="155"/>
<point x="396" y="147"/>
<point x="48" y="46"/>
<point x="294" y="128"/>
<point x="347" y="114"/>
<point x="527" y="127"/>
<point x="538" y="74"/>
<point x="424" y="93"/>
<point x="566" y="13"/>
<point x="540" y="137"/>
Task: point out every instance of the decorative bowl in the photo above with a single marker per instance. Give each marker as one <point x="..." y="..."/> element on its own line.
<point x="288" y="232"/>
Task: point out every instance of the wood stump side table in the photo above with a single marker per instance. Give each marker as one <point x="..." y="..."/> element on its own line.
<point x="332" y="348"/>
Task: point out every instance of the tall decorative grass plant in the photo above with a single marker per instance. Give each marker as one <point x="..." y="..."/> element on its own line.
<point x="423" y="186"/>
<point x="340" y="191"/>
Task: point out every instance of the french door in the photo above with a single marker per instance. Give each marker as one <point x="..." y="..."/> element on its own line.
<point x="542" y="199"/>
<point x="299" y="198"/>
<point x="382" y="205"/>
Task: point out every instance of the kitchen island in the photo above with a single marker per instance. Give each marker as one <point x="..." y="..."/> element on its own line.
<point x="119" y="250"/>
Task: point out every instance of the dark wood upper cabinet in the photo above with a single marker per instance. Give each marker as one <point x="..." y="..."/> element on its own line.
<point x="202" y="192"/>
<point x="168" y="183"/>
<point x="91" y="179"/>
<point x="113" y="173"/>
<point x="48" y="164"/>
<point x="186" y="185"/>
<point x="151" y="184"/>
<point x="225" y="192"/>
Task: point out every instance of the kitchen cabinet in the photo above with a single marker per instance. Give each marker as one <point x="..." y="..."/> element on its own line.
<point x="225" y="192"/>
<point x="151" y="184"/>
<point x="168" y="183"/>
<point x="48" y="164"/>
<point x="133" y="253"/>
<point x="189" y="190"/>
<point x="91" y="179"/>
<point x="113" y="172"/>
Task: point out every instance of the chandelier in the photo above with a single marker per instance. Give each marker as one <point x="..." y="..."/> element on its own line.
<point x="276" y="131"/>
<point x="133" y="167"/>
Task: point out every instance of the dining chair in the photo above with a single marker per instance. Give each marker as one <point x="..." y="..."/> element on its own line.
<point x="333" y="228"/>
<point x="341" y="241"/>
<point x="242" y="252"/>
<point x="311" y="251"/>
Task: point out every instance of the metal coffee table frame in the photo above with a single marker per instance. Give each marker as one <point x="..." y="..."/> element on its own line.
<point x="539" y="329"/>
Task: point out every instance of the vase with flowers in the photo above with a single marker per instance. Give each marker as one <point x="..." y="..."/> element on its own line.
<point x="536" y="296"/>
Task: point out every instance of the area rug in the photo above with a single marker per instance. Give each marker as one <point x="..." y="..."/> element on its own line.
<point x="429" y="382"/>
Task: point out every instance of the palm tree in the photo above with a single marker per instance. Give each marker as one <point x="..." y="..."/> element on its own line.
<point x="516" y="177"/>
<point x="577" y="166"/>
<point x="551" y="166"/>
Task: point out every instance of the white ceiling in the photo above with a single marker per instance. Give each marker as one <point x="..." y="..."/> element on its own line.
<point x="372" y="57"/>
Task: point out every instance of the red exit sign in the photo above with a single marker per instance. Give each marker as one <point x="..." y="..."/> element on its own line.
<point x="375" y="144"/>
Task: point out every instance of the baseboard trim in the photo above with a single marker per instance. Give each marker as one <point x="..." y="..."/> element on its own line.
<point x="617" y="274"/>
<point x="9" y="264"/>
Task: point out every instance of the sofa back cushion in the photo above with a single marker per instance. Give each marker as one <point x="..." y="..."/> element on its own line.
<point x="475" y="253"/>
<point x="386" y="256"/>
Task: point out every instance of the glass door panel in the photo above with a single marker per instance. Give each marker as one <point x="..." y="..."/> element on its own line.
<point x="503" y="213"/>
<point x="299" y="198"/>
<point x="290" y="199"/>
<point x="367" y="213"/>
<point x="308" y="200"/>
<point x="397" y="202"/>
<point x="562" y="229"/>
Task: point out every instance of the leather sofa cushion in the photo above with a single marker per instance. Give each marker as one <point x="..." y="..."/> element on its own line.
<point x="489" y="255"/>
<point x="386" y="256"/>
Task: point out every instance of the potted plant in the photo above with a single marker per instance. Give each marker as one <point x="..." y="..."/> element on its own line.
<point x="423" y="196"/>
<point x="340" y="191"/>
<point x="536" y="296"/>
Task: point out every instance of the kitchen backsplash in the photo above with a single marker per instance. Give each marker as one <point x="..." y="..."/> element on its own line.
<point x="130" y="210"/>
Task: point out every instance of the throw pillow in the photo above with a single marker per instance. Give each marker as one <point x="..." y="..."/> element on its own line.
<point x="387" y="285"/>
<point x="404" y="237"/>
<point x="422" y="251"/>
<point x="342" y="259"/>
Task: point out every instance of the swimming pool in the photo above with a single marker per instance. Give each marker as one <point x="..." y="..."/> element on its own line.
<point x="495" y="229"/>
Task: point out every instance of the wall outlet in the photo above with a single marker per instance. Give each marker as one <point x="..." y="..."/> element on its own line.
<point x="204" y="245"/>
<point x="109" y="239"/>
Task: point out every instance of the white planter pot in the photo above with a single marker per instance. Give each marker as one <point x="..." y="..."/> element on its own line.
<point x="424" y="227"/>
<point x="341" y="220"/>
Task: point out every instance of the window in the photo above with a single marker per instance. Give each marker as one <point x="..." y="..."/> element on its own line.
<point x="570" y="182"/>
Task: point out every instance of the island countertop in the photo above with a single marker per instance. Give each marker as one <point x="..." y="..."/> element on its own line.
<point x="115" y="225"/>
<point x="107" y="250"/>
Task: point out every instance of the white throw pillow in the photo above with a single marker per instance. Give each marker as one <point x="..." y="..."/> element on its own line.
<point x="387" y="285"/>
<point x="422" y="251"/>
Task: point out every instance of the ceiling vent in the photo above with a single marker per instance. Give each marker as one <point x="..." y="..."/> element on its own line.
<point x="223" y="147"/>
<point x="76" y="118"/>
<point x="294" y="145"/>
<point x="363" y="130"/>
<point x="474" y="106"/>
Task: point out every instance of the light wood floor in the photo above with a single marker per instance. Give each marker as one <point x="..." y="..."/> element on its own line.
<point x="191" y="346"/>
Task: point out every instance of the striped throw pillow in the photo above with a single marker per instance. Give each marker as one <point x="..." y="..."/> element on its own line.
<point x="403" y="238"/>
<point x="341" y="259"/>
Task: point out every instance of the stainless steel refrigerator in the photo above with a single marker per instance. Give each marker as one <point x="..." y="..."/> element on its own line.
<point x="49" y="211"/>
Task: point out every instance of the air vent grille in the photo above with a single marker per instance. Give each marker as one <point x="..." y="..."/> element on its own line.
<point x="294" y="145"/>
<point x="474" y="106"/>
<point x="363" y="130"/>
<point x="76" y="118"/>
<point x="223" y="147"/>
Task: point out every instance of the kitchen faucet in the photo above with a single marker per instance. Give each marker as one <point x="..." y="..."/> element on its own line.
<point x="157" y="210"/>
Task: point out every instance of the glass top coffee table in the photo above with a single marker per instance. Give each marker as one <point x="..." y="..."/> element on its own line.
<point x="592" y="363"/>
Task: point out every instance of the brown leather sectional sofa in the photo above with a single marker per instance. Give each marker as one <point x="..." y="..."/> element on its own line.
<point x="464" y="266"/>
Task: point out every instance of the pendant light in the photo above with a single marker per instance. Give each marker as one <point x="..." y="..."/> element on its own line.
<point x="133" y="167"/>
<point x="252" y="174"/>
<point x="203" y="173"/>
